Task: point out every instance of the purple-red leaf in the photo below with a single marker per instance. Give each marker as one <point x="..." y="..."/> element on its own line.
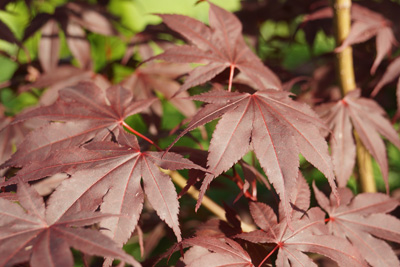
<point x="275" y="127"/>
<point x="219" y="46"/>
<point x="89" y="112"/>
<point x="114" y="178"/>
<point x="392" y="72"/>
<point x="49" y="46"/>
<point x="308" y="234"/>
<point x="369" y="121"/>
<point x="26" y="233"/>
<point x="214" y="252"/>
<point x="360" y="220"/>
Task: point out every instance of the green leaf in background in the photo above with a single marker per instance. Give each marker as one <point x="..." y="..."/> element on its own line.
<point x="136" y="14"/>
<point x="15" y="103"/>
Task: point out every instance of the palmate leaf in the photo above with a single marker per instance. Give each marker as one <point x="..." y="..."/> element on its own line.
<point x="113" y="179"/>
<point x="275" y="127"/>
<point x="214" y="252"/>
<point x="87" y="112"/>
<point x="28" y="234"/>
<point x="308" y="233"/>
<point x="11" y="135"/>
<point x="160" y="77"/>
<point x="71" y="18"/>
<point x="364" y="221"/>
<point x="368" y="119"/>
<point x="220" y="46"/>
<point x="366" y="24"/>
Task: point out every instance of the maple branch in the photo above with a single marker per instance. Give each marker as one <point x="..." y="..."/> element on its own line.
<point x="206" y="202"/>
<point x="345" y="71"/>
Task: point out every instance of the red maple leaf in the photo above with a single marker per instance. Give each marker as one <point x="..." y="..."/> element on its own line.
<point x="366" y="24"/>
<point x="160" y="77"/>
<point x="308" y="233"/>
<point x="11" y="135"/>
<point x="219" y="46"/>
<point x="368" y="119"/>
<point x="108" y="174"/>
<point x="29" y="232"/>
<point x="275" y="127"/>
<point x="363" y="220"/>
<point x="71" y="18"/>
<point x="214" y="252"/>
<point x="86" y="111"/>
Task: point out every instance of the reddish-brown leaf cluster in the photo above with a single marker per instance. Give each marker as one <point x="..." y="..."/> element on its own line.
<point x="115" y="188"/>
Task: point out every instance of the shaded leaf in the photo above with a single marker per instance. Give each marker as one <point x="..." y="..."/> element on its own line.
<point x="88" y="111"/>
<point x="368" y="119"/>
<point x="31" y="236"/>
<point x="259" y="122"/>
<point x="219" y="46"/>
<point x="114" y="177"/>
<point x="364" y="222"/>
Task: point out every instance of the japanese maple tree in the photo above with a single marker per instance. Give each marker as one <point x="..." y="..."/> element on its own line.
<point x="235" y="112"/>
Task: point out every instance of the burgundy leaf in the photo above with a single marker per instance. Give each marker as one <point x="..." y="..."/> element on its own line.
<point x="160" y="77"/>
<point x="308" y="234"/>
<point x="91" y="18"/>
<point x="392" y="72"/>
<point x="31" y="236"/>
<point x="369" y="121"/>
<point x="259" y="122"/>
<point x="114" y="176"/>
<point x="361" y="31"/>
<point x="11" y="135"/>
<point x="360" y="220"/>
<point x="343" y="148"/>
<point x="384" y="41"/>
<point x="90" y="113"/>
<point x="221" y="46"/>
<point x="211" y="251"/>
<point x="49" y="46"/>
<point x="366" y="24"/>
<point x="78" y="44"/>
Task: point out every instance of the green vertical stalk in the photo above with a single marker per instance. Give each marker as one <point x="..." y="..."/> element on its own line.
<point x="345" y="72"/>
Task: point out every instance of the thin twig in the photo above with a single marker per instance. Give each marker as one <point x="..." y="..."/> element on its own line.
<point x="207" y="202"/>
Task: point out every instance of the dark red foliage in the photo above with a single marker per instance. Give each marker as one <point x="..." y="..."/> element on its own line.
<point x="106" y="139"/>
<point x="268" y="122"/>
<point x="367" y="118"/>
<point x="220" y="46"/>
<point x="307" y="234"/>
<point x="364" y="221"/>
<point x="31" y="232"/>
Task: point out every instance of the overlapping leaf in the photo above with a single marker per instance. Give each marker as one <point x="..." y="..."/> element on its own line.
<point x="214" y="252"/>
<point x="308" y="233"/>
<point x="28" y="233"/>
<point x="368" y="119"/>
<point x="87" y="112"/>
<point x="113" y="180"/>
<point x="364" y="221"/>
<point x="275" y="127"/>
<point x="10" y="136"/>
<point x="219" y="46"/>
<point x="392" y="72"/>
<point x="160" y="77"/>
<point x="366" y="24"/>
<point x="71" y="18"/>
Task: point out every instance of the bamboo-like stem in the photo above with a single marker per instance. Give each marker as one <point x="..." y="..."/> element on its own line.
<point x="207" y="202"/>
<point x="345" y="71"/>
